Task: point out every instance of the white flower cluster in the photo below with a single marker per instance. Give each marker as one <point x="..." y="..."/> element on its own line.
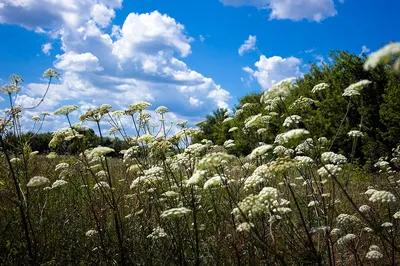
<point x="37" y="181"/>
<point x="355" y="133"/>
<point x="355" y="88"/>
<point x="214" y="181"/>
<point x="383" y="55"/>
<point x="244" y="227"/>
<point x="229" y="143"/>
<point x="260" y="151"/>
<point x="347" y="239"/>
<point x="329" y="170"/>
<point x="334" y="158"/>
<point x="59" y="183"/>
<point x="175" y="213"/>
<point x="320" y="87"/>
<point x="374" y="253"/>
<point x="91" y="233"/>
<point x="302" y="103"/>
<point x="150" y="176"/>
<point x="157" y="233"/>
<point x="101" y="185"/>
<point x="284" y="138"/>
<point x="257" y="121"/>
<point x="63" y="134"/>
<point x="380" y="196"/>
<point x="293" y="119"/>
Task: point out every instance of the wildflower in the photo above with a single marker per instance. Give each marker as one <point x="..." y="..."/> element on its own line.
<point x="355" y="88"/>
<point x="15" y="160"/>
<point x="293" y="119"/>
<point x="162" y="110"/>
<point x="100" y="151"/>
<point x="387" y="224"/>
<point x="61" y="166"/>
<point x="91" y="233"/>
<point x="253" y="181"/>
<point x="229" y="143"/>
<point x="355" y="134"/>
<point x="200" y="123"/>
<point x="52" y="155"/>
<point x="228" y="113"/>
<point x="38" y="181"/>
<point x="51" y="73"/>
<point x="382" y="197"/>
<point x="182" y="123"/>
<point x="138" y="107"/>
<point x="196" y="177"/>
<point x="346" y="239"/>
<point x="383" y="55"/>
<point x="213" y="182"/>
<point x="346" y="219"/>
<point x="304" y="160"/>
<point x="36" y="118"/>
<point x="374" y="253"/>
<point x="59" y="183"/>
<point x="320" y="87"/>
<point x="9" y="89"/>
<point x="313" y="203"/>
<point x="63" y="134"/>
<point x="396" y="215"/>
<point x="335" y="231"/>
<point x="244" y="227"/>
<point x="364" y="208"/>
<point x="331" y="157"/>
<point x="290" y="135"/>
<point x="302" y="103"/>
<point x="171" y="194"/>
<point x="260" y="151"/>
<point x="157" y="233"/>
<point x="66" y="109"/>
<point x="101" y="184"/>
<point x="175" y="213"/>
<point x="227" y="119"/>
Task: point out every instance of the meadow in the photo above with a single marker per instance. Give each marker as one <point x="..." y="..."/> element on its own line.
<point x="170" y="200"/>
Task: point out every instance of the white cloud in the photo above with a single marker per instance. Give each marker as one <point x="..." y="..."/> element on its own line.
<point x="194" y="101"/>
<point x="72" y="61"/>
<point x="312" y="10"/>
<point x="46" y="48"/>
<point x="271" y="70"/>
<point x="202" y="38"/>
<point x="102" y="15"/>
<point x="364" y="50"/>
<point x="41" y="15"/>
<point x="119" y="64"/>
<point x="248" y="45"/>
<point x="150" y="33"/>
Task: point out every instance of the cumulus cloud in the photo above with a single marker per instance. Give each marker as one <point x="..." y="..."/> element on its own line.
<point x="248" y="45"/>
<point x="43" y="15"/>
<point x="271" y="70"/>
<point x="312" y="10"/>
<point x="139" y="60"/>
<point x="46" y="48"/>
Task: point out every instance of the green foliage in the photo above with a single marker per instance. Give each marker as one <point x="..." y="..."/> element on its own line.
<point x="379" y="106"/>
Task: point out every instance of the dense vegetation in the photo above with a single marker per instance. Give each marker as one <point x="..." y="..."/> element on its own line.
<point x="285" y="185"/>
<point x="379" y="106"/>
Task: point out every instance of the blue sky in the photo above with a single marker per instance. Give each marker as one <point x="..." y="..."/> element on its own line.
<point x="193" y="56"/>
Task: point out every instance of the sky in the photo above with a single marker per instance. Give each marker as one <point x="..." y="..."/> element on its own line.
<point x="191" y="56"/>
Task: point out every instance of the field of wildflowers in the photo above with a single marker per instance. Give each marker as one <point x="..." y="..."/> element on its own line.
<point x="168" y="201"/>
